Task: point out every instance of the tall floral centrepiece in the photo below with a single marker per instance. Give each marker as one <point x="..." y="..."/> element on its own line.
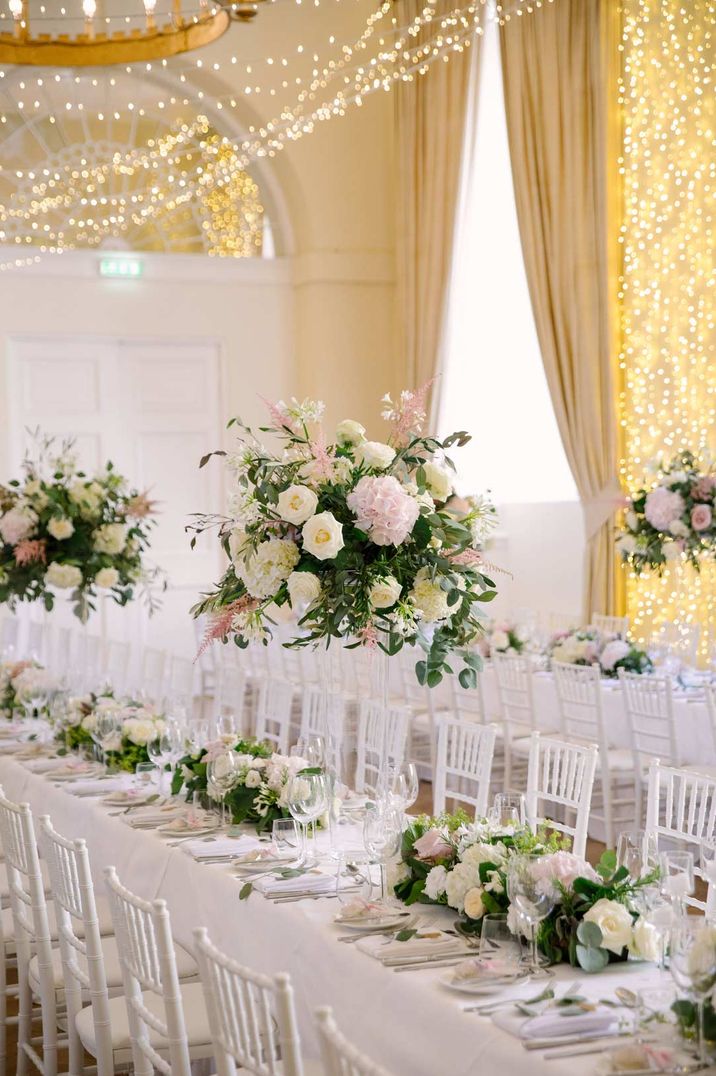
<point x="61" y="529"/>
<point x="356" y="535"/>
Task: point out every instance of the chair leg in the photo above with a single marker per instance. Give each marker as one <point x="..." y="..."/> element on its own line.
<point x="3" y="1009"/>
<point x="24" y="1022"/>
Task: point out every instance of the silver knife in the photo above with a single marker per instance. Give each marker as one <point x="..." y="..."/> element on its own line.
<point x="446" y="962"/>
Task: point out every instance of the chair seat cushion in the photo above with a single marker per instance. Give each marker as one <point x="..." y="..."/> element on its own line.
<point x="8" y="930"/>
<point x="195" y="1018"/>
<point x="186" y="966"/>
<point x="699" y="770"/>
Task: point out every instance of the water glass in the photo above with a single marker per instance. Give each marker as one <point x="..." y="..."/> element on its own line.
<point x="655" y="1017"/>
<point x="508" y="810"/>
<point x="638" y="851"/>
<point x="220" y="778"/>
<point x="677" y="878"/>
<point x="286" y="839"/>
<point x="692" y="962"/>
<point x="500" y="949"/>
<point x="307" y="800"/>
<point x="532" y="899"/>
<point x="382" y="836"/>
<point x="145" y="774"/>
<point x="353" y="876"/>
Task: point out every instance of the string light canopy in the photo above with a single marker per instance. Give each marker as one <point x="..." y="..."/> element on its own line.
<point x="88" y="38"/>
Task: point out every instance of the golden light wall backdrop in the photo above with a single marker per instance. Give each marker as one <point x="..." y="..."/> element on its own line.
<point x="667" y="292"/>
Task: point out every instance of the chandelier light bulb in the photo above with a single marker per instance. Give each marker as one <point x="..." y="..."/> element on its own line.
<point x="90" y="8"/>
<point x="149" y="6"/>
<point x="16" y="8"/>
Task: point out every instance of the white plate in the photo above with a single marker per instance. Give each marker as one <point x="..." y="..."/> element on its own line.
<point x="375" y="922"/>
<point x="77" y="776"/>
<point x="259" y="866"/>
<point x="485" y="985"/>
<point x="167" y="832"/>
<point x="113" y="799"/>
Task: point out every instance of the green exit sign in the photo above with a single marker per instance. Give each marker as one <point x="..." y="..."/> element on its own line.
<point x="119" y="266"/>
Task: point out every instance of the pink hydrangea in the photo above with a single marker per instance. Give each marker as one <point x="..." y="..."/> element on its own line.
<point x="562" y="867"/>
<point x="17" y="524"/>
<point x="701" y="517"/>
<point x="662" y="507"/>
<point x="383" y="509"/>
<point x="703" y="489"/>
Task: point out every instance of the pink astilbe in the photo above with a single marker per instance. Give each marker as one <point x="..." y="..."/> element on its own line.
<point x="279" y="417"/>
<point x="140" y="506"/>
<point x="409" y="415"/>
<point x="469" y="558"/>
<point x="322" y="459"/>
<point x="31" y="551"/>
<point x="220" y="621"/>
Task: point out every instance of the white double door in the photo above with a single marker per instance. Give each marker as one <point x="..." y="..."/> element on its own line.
<point x="152" y="407"/>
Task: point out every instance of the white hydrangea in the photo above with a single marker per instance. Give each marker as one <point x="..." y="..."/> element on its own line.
<point x="110" y="538"/>
<point x="63" y="576"/>
<point x="435" y="883"/>
<point x="263" y="571"/>
<point x="460" y="880"/>
<point x="429" y="598"/>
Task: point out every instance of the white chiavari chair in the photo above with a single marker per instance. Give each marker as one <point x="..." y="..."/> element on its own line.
<point x="382" y="741"/>
<point x="323" y="713"/>
<point x="681" y="811"/>
<point x="273" y="714"/>
<point x="649" y="706"/>
<point x="179" y="690"/>
<point x="159" y="1022"/>
<point x="207" y="660"/>
<point x="251" y="1015"/>
<point x="513" y="674"/>
<point x="611" y="625"/>
<point x="115" y="668"/>
<point x="562" y="622"/>
<point x="92" y="662"/>
<point x="86" y="967"/>
<point x="463" y="766"/>
<point x="230" y="695"/>
<point x="710" y="700"/>
<point x="36" y="641"/>
<point x="579" y="693"/>
<point x="9" y="633"/>
<point x="153" y="674"/>
<point x="560" y="778"/>
<point x="340" y="1057"/>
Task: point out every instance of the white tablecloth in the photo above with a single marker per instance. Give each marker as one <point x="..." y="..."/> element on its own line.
<point x="407" y="1021"/>
<point x="695" y="738"/>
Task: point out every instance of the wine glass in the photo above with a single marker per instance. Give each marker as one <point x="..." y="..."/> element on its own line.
<point x="108" y="734"/>
<point x="508" y="809"/>
<point x="677" y="878"/>
<point x="404" y="785"/>
<point x="382" y="836"/>
<point x="163" y="751"/>
<point x="532" y="898"/>
<point x="692" y="962"/>
<point x="638" y="851"/>
<point x="221" y="777"/>
<point x="307" y="800"/>
<point x="312" y="748"/>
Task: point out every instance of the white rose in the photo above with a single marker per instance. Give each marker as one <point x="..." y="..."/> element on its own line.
<point x="615" y="923"/>
<point x="63" y="576"/>
<point x="671" y="550"/>
<point x="474" y="905"/>
<point x="631" y="519"/>
<point x="438" y="481"/>
<point x="612" y="653"/>
<point x="435" y="883"/>
<point x="678" y="529"/>
<point x="303" y="588"/>
<point x="375" y="454"/>
<point x="237" y="540"/>
<point x="223" y="766"/>
<point x="384" y="593"/>
<point x="252" y="779"/>
<point x="106" y="578"/>
<point x="646" y="943"/>
<point x="60" y="528"/>
<point x="626" y="543"/>
<point x="110" y="538"/>
<point x="297" y="504"/>
<point x="349" y="432"/>
<point x="323" y="536"/>
<point x="499" y="640"/>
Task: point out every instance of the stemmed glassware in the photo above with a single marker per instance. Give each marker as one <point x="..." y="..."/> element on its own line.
<point x="692" y="962"/>
<point x="221" y="777"/>
<point x="307" y="800"/>
<point x="508" y="809"/>
<point x="404" y="785"/>
<point x="382" y="835"/>
<point x="166" y="750"/>
<point x="677" y="879"/>
<point x="532" y="898"/>
<point x="638" y="851"/>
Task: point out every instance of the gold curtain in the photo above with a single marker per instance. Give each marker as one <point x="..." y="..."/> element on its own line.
<point x="430" y="131"/>
<point x="557" y="67"/>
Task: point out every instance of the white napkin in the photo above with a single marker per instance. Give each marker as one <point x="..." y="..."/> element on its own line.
<point x="437" y="944"/>
<point x="74" y="767"/>
<point x="41" y="765"/>
<point x="12" y="747"/>
<point x="151" y="816"/>
<point x="311" y="882"/>
<point x="94" y="787"/>
<point x="552" y="1025"/>
<point x="219" y="846"/>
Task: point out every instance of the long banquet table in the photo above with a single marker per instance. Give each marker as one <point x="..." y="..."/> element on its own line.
<point x="408" y="1022"/>
<point x="696" y="740"/>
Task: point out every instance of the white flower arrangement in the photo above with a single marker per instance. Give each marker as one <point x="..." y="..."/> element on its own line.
<point x="587" y="646"/>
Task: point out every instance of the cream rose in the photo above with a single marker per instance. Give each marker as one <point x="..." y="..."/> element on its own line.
<point x="384" y="592"/>
<point x="303" y="588"/>
<point x="63" y="576"/>
<point x="106" y="578"/>
<point x="61" y="528"/>
<point x="615" y="923"/>
<point x="323" y="536"/>
<point x="646" y="943"/>
<point x="297" y="504"/>
<point x="110" y="538"/>
<point x="375" y="454"/>
<point x="253" y="779"/>
<point x="474" y="907"/>
<point x="349" y="432"/>
<point x="438" y="481"/>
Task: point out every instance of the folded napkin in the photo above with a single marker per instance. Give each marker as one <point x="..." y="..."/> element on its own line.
<point x="152" y="816"/>
<point x="37" y="764"/>
<point x="188" y="823"/>
<point x="219" y="846"/>
<point x="12" y="747"/>
<point x="74" y="768"/>
<point x="428" y="943"/>
<point x="310" y="882"/>
<point x="125" y="797"/>
<point x="94" y="786"/>
<point x="553" y="1025"/>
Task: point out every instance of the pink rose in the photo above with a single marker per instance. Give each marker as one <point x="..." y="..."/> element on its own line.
<point x="432" y="845"/>
<point x="703" y="489"/>
<point x="701" y="517"/>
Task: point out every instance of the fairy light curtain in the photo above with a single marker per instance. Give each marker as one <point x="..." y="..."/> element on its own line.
<point x="666" y="294"/>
